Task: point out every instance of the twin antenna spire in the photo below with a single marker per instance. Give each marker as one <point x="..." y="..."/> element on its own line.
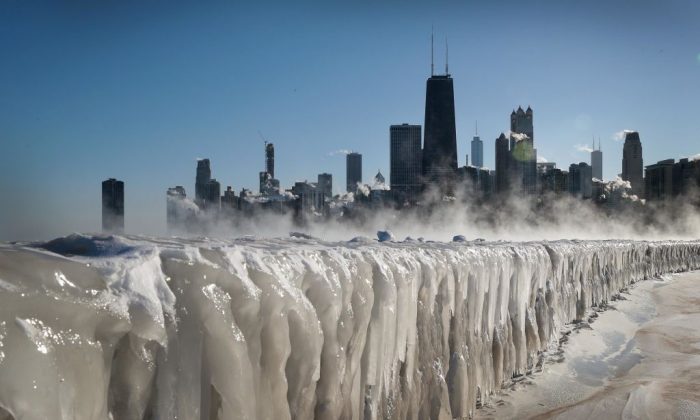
<point x="432" y="55"/>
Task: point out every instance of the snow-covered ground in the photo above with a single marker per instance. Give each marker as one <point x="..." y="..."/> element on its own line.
<point x="293" y="328"/>
<point x="640" y="358"/>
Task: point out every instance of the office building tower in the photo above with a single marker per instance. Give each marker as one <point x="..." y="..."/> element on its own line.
<point x="440" y="142"/>
<point x="580" y="180"/>
<point x="325" y="188"/>
<point x="477" y="152"/>
<point x="405" y="162"/>
<point x="554" y="180"/>
<point x="522" y="149"/>
<point x="521" y="122"/>
<point x="203" y="177"/>
<point x="503" y="165"/>
<point x="658" y="180"/>
<point x="229" y="201"/>
<point x="175" y="207"/>
<point x="632" y="163"/>
<point x="113" y="206"/>
<point x="686" y="177"/>
<point x="265" y="183"/>
<point x="270" y="159"/>
<point x="353" y="171"/>
<point x="307" y="196"/>
<point x="597" y="162"/>
<point x="212" y="195"/>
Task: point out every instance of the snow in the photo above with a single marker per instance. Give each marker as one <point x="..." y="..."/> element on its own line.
<point x="292" y="327"/>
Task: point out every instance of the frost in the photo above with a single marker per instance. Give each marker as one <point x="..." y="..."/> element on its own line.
<point x="296" y="328"/>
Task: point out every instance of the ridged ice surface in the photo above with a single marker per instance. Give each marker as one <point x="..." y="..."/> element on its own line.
<point x="292" y="328"/>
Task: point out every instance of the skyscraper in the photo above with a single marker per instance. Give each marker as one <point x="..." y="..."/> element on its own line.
<point x="113" y="206"/>
<point x="597" y="162"/>
<point x="270" y="159"/>
<point x="477" y="152"/>
<point x="203" y="177"/>
<point x="212" y="198"/>
<point x="353" y="171"/>
<point x="175" y="207"/>
<point x="440" y="143"/>
<point x="522" y="149"/>
<point x="632" y="163"/>
<point x="580" y="180"/>
<point x="405" y="162"/>
<point x="659" y="180"/>
<point x="521" y="122"/>
<point x="503" y="165"/>
<point x="325" y="188"/>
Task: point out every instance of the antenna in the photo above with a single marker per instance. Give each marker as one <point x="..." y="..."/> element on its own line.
<point x="476" y="128"/>
<point x="447" y="56"/>
<point x="432" y="61"/>
<point x="265" y="148"/>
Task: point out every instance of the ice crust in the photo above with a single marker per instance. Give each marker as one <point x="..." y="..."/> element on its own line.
<point x="135" y="328"/>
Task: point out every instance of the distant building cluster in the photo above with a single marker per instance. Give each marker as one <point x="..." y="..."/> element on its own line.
<point x="423" y="163"/>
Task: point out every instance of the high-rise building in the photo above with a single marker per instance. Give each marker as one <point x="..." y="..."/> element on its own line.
<point x="477" y="152"/>
<point x="405" y="162"/>
<point x="212" y="195"/>
<point x="440" y="142"/>
<point x="521" y="122"/>
<point x="554" y="180"/>
<point x="686" y="176"/>
<point x="113" y="206"/>
<point x="307" y="195"/>
<point x="175" y="207"/>
<point x="597" y="162"/>
<point x="580" y="180"/>
<point x="632" y="163"/>
<point x="270" y="159"/>
<point x="229" y="201"/>
<point x="522" y="149"/>
<point x="325" y="188"/>
<point x="353" y="172"/>
<point x="658" y="181"/>
<point x="203" y="177"/>
<point x="503" y="165"/>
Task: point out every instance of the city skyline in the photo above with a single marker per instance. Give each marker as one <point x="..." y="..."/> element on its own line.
<point x="51" y="146"/>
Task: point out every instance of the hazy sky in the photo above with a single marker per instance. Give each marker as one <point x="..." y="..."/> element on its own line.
<point x="139" y="90"/>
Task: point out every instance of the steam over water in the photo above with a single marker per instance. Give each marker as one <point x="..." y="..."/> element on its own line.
<point x="292" y="328"/>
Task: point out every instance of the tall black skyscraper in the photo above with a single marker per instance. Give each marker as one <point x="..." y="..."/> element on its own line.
<point x="503" y="164"/>
<point x="203" y="178"/>
<point x="113" y="206"/>
<point x="353" y="172"/>
<point x="405" y="162"/>
<point x="632" y="163"/>
<point x="270" y="159"/>
<point x="440" y="145"/>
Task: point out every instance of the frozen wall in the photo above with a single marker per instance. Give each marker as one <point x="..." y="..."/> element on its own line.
<point x="274" y="329"/>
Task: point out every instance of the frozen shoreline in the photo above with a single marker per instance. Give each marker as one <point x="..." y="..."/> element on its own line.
<point x="639" y="359"/>
<point x="138" y="327"/>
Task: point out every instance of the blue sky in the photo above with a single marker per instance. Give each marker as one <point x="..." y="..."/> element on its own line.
<point x="139" y="90"/>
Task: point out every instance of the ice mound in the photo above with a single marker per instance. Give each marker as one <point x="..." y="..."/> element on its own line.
<point x="282" y="328"/>
<point x="87" y="246"/>
<point x="385" y="235"/>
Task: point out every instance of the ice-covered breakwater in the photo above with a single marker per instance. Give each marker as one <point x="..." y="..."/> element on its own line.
<point x="296" y="328"/>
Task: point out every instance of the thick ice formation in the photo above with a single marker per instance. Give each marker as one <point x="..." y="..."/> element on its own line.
<point x="293" y="328"/>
